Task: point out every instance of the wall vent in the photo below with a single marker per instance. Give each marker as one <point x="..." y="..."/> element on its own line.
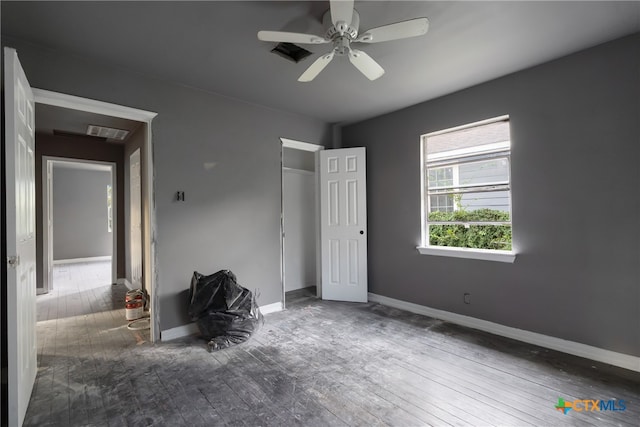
<point x="109" y="133"/>
<point x="291" y="51"/>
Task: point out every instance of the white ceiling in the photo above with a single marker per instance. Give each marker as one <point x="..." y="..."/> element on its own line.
<point x="213" y="45"/>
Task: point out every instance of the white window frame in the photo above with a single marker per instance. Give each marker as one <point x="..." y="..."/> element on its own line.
<point x="470" y="253"/>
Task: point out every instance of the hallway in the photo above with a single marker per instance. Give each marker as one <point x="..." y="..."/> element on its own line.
<point x="82" y="333"/>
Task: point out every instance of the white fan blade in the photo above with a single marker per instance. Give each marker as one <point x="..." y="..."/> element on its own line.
<point x="399" y="30"/>
<point x="316" y="67"/>
<point x="341" y="13"/>
<point x="365" y="64"/>
<point x="282" y="36"/>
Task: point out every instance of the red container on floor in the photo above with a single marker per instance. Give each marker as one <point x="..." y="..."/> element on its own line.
<point x="134" y="304"/>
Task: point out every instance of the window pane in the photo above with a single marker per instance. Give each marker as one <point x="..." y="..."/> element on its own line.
<point x="449" y="174"/>
<point x="492" y="200"/>
<point x="440" y="177"/>
<point x="496" y="237"/>
<point x="441" y="203"/>
<point x="484" y="172"/>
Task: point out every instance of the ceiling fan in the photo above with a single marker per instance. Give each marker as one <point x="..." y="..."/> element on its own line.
<point x="342" y="22"/>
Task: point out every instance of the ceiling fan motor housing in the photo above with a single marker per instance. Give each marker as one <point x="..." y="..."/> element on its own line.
<point x="351" y="32"/>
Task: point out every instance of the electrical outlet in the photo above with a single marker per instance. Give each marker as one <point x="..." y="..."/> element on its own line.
<point x="467" y="298"/>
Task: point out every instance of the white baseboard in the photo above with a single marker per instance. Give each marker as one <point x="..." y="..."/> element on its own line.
<point x="577" y="349"/>
<point x="192" y="328"/>
<point x="271" y="308"/>
<point x="78" y="260"/>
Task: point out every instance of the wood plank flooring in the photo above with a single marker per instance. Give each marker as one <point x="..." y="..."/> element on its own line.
<point x="78" y="289"/>
<point x="318" y="363"/>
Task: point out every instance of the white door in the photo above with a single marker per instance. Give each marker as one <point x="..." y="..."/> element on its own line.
<point x="21" y="250"/>
<point x="135" y="229"/>
<point x="343" y="224"/>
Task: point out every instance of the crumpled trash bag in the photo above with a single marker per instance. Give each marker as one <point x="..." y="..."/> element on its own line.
<point x="225" y="312"/>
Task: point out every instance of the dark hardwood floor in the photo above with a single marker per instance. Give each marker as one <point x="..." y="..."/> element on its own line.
<point x="318" y="363"/>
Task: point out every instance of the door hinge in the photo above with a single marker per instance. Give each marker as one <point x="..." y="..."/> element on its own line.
<point x="13" y="261"/>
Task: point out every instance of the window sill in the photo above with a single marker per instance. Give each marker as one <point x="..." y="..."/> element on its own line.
<point x="482" y="254"/>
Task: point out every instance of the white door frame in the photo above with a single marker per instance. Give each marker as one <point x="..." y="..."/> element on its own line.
<point x="303" y="146"/>
<point x="47" y="196"/>
<point x="92" y="106"/>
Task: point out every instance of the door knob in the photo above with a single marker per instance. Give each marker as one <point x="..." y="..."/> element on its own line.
<point x="361" y="231"/>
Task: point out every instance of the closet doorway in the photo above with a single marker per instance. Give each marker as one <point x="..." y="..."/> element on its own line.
<point x="299" y="217"/>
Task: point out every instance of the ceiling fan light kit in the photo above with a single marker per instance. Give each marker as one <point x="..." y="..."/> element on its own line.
<point x="343" y="22"/>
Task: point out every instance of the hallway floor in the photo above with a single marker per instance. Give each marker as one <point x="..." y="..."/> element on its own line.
<point x="318" y="363"/>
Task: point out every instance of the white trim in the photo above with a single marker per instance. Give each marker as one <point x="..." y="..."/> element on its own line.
<point x="424" y="201"/>
<point x="90" y="105"/>
<point x="299" y="145"/>
<point x="271" y="308"/>
<point x="149" y="235"/>
<point x="78" y="260"/>
<point x="192" y="328"/>
<point x="179" y="332"/>
<point x="571" y="347"/>
<point x="463" y="152"/>
<point x="468" y="253"/>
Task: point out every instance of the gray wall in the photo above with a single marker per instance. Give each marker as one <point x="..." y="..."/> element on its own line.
<point x="575" y="126"/>
<point x="223" y="153"/>
<point x="80" y="213"/>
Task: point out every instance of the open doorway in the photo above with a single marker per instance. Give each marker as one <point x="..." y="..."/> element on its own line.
<point x="96" y="134"/>
<point x="79" y="219"/>
<point x="79" y="236"/>
<point x="299" y="220"/>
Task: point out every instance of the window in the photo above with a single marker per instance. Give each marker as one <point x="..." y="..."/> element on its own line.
<point x="467" y="191"/>
<point x="109" y="209"/>
<point x="440" y="178"/>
